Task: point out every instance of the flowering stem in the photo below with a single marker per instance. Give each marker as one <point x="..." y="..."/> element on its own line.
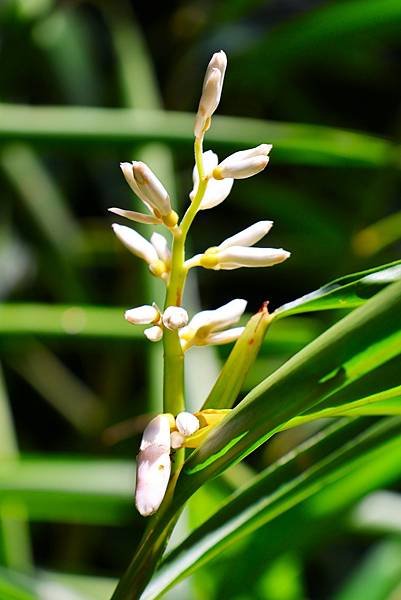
<point x="173" y="354"/>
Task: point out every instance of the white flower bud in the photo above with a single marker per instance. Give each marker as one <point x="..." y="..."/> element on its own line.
<point x="244" y="163"/>
<point x="126" y="168"/>
<point x="142" y="315"/>
<point x="216" y="190"/>
<point x="177" y="440"/>
<point x="135" y="243"/>
<point x="242" y="169"/>
<point x="151" y="188"/>
<point x="206" y="322"/>
<point x="221" y="317"/>
<point x="175" y="317"/>
<point x="157" y="433"/>
<point x="187" y="423"/>
<point x="152" y="476"/>
<point x="249" y="236"/>
<point x="160" y="244"/>
<point x="238" y="256"/>
<point x="154" y="334"/>
<point x="211" y="92"/>
<point x="136" y="216"/>
<point x="224" y="337"/>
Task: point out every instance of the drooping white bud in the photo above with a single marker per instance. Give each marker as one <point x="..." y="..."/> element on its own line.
<point x="249" y="236"/>
<point x="238" y="256"/>
<point x="177" y="440"/>
<point x="187" y="423"/>
<point x="216" y="190"/>
<point x="142" y="315"/>
<point x="152" y="476"/>
<point x="157" y="433"/>
<point x="154" y="334"/>
<point x="224" y="337"/>
<point x="135" y="243"/>
<point x="135" y="216"/>
<point x="175" y="317"/>
<point x="160" y="244"/>
<point x="244" y="163"/>
<point x="211" y="92"/>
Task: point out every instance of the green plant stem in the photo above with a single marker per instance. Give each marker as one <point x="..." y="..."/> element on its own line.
<point x="173" y="355"/>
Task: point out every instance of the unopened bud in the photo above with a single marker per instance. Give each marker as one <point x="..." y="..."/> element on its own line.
<point x="157" y="432"/>
<point x="135" y="243"/>
<point x="187" y="423"/>
<point x="211" y="92"/>
<point x="242" y="169"/>
<point x="177" y="440"/>
<point x="142" y="315"/>
<point x="152" y="477"/>
<point x="238" y="256"/>
<point x="160" y="244"/>
<point x="154" y="334"/>
<point x="151" y="188"/>
<point x="249" y="236"/>
<point x="175" y="317"/>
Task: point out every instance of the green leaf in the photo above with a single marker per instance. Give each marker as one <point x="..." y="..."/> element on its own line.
<point x="337" y="452"/>
<point x="345" y="292"/>
<point x="377" y="576"/>
<point x="363" y="340"/>
<point x="70" y="490"/>
<point x="360" y="342"/>
<point x="232" y="376"/>
<point x="296" y="143"/>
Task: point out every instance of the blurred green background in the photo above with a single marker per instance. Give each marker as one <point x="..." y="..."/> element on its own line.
<point x="85" y="85"/>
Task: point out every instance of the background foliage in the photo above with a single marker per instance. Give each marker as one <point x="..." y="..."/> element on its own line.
<point x="85" y="85"/>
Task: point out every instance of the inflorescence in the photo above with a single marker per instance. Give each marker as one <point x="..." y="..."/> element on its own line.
<point x="212" y="183"/>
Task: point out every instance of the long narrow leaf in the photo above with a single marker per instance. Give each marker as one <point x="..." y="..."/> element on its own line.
<point x="276" y="491"/>
<point x="297" y="143"/>
<point x="346" y="292"/>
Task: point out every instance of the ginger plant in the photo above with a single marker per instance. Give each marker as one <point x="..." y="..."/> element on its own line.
<point x="176" y="428"/>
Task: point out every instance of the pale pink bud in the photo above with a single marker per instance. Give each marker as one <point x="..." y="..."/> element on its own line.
<point x="152" y="477"/>
<point x="157" y="432"/>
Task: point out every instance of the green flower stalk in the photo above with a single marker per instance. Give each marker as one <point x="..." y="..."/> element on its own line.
<point x="175" y="428"/>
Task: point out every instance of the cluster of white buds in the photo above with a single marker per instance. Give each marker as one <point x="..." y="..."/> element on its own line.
<point x="208" y="327"/>
<point x="237" y="251"/>
<point x="173" y="318"/>
<point x="212" y="183"/>
<point x="162" y="434"/>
